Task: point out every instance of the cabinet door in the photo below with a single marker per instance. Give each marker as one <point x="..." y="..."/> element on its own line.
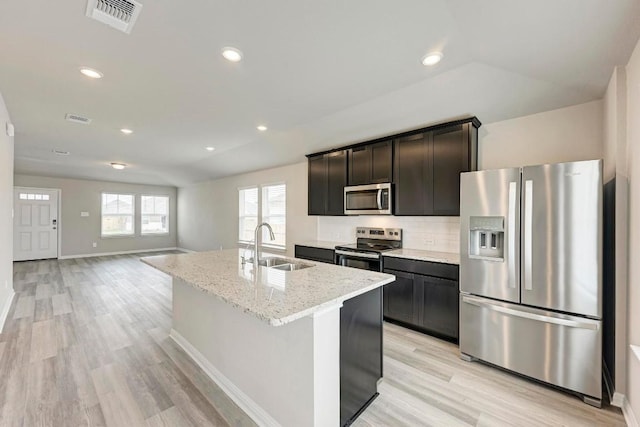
<point x="381" y="162"/>
<point x="439" y="308"/>
<point x="337" y="179"/>
<point x="399" y="298"/>
<point x="359" y="165"/>
<point x="413" y="175"/>
<point x="317" y="193"/>
<point x="451" y="157"/>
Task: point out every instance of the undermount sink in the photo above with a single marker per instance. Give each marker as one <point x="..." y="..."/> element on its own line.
<point x="273" y="261"/>
<point x="291" y="266"/>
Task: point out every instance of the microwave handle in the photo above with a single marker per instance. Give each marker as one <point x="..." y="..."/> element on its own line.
<point x="379" y="198"/>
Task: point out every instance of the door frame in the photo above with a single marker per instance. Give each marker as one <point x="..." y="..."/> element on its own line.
<point x="58" y="195"/>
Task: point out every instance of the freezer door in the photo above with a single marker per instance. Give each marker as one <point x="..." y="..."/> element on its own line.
<point x="554" y="348"/>
<point x="562" y="237"/>
<point x="490" y="233"/>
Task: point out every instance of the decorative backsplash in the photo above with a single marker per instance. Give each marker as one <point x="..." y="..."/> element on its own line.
<point x="431" y="233"/>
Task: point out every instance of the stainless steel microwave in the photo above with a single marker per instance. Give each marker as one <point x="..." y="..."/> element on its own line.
<point x="372" y="199"/>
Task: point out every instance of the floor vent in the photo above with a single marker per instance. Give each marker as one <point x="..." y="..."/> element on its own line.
<point x="77" y="119"/>
<point x="119" y="14"/>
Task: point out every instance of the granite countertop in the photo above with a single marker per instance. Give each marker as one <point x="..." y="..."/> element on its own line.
<point x="274" y="296"/>
<point x="324" y="244"/>
<point x="423" y="255"/>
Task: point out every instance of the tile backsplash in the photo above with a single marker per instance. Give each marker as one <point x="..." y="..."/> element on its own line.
<point x="433" y="233"/>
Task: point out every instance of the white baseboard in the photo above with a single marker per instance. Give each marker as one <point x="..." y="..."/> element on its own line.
<point x="185" y="250"/>
<point x="5" y="310"/>
<point x="617" y="400"/>
<point x="629" y="416"/>
<point x="255" y="411"/>
<point x="137" y="251"/>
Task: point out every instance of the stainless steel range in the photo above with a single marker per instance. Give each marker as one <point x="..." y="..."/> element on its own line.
<point x="370" y="244"/>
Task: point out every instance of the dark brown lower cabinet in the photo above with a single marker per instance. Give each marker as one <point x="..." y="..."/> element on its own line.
<point x="315" y="254"/>
<point x="424" y="302"/>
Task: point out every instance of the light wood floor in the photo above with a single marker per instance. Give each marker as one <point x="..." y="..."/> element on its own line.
<point x="86" y="344"/>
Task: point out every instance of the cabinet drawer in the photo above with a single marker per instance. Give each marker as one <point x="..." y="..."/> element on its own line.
<point x="427" y="268"/>
<point x="315" y="254"/>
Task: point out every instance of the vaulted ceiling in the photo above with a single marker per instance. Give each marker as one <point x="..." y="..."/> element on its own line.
<point x="319" y="74"/>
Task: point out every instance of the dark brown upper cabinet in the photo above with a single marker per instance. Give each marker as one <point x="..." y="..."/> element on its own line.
<point x="371" y="163"/>
<point x="424" y="166"/>
<point x="327" y="179"/>
<point x="427" y="169"/>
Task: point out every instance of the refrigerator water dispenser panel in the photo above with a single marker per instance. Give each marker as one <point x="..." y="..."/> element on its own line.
<point x="486" y="237"/>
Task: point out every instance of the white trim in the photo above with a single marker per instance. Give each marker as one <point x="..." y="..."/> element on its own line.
<point x="257" y="414"/>
<point x="617" y="400"/>
<point x="636" y="350"/>
<point x="185" y="250"/>
<point x="137" y="251"/>
<point x="5" y="310"/>
<point x="629" y="416"/>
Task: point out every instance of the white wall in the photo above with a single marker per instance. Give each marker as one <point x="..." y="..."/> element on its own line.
<point x="208" y="212"/>
<point x="633" y="168"/>
<point x="563" y="135"/>
<point x="78" y="233"/>
<point x="6" y="214"/>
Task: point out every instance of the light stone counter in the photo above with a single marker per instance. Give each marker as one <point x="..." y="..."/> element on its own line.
<point x="274" y="296"/>
<point x="422" y="255"/>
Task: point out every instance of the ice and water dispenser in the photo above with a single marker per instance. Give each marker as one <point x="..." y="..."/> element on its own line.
<point x="486" y="237"/>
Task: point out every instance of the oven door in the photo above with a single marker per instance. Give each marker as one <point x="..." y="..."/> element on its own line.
<point x="363" y="261"/>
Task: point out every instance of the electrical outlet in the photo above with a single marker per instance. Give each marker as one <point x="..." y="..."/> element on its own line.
<point x="430" y="242"/>
<point x="95" y="244"/>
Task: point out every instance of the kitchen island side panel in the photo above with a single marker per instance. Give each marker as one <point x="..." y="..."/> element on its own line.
<point x="290" y="372"/>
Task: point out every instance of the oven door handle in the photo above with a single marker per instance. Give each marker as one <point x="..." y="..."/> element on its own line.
<point x="357" y="254"/>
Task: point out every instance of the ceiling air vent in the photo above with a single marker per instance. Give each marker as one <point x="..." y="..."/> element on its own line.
<point x="119" y="14"/>
<point x="77" y="119"/>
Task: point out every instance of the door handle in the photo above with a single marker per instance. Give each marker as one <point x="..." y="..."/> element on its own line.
<point x="379" y="199"/>
<point x="593" y="325"/>
<point x="511" y="233"/>
<point x="528" y="234"/>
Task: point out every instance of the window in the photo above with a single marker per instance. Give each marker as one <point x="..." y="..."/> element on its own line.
<point x="25" y="196"/>
<point x="155" y="215"/>
<point x="267" y="203"/>
<point x="248" y="213"/>
<point x="117" y="214"/>
<point x="274" y="211"/>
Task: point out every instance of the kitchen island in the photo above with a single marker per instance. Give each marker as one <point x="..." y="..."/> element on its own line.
<point x="284" y="345"/>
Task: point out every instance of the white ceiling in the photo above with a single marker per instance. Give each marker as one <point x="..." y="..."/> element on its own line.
<point x="320" y="74"/>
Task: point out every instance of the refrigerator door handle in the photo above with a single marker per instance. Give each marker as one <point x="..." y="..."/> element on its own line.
<point x="593" y="325"/>
<point x="528" y="233"/>
<point x="511" y="233"/>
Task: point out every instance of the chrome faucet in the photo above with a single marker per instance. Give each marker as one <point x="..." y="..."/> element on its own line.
<point x="256" y="246"/>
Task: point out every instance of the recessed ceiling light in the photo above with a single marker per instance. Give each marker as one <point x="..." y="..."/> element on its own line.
<point x="210" y="148"/>
<point x="126" y="131"/>
<point x="232" y="54"/>
<point x="432" y="58"/>
<point x="262" y="128"/>
<point x="90" y="72"/>
<point x="118" y="166"/>
<point x="60" y="152"/>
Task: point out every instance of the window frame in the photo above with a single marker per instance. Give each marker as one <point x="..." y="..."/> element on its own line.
<point x="250" y="187"/>
<point x="142" y="214"/>
<point x="260" y="219"/>
<point x="132" y="214"/>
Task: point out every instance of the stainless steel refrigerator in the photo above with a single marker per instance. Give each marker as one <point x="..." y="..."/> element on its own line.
<point x="531" y="272"/>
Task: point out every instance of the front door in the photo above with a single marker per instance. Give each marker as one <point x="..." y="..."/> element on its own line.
<point x="35" y="224"/>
